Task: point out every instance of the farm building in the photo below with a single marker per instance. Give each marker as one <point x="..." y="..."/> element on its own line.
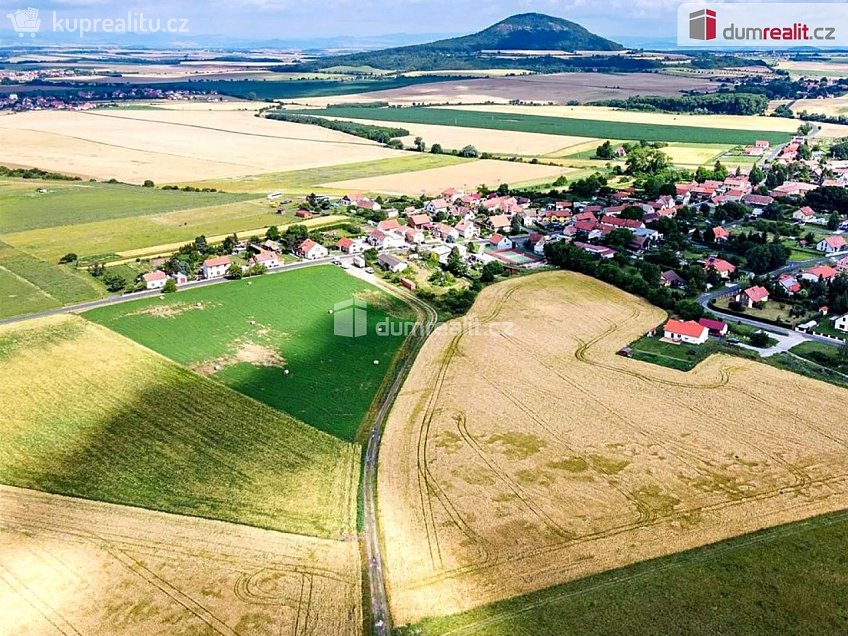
<point x="155" y="279"/>
<point x="310" y="250"/>
<point x="215" y="267"/>
<point x="689" y="332"/>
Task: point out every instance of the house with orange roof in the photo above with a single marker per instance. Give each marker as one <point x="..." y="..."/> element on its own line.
<point x="215" y="267"/>
<point x="721" y="266"/>
<point x="748" y="297"/>
<point x="831" y="244"/>
<point x="689" y="332"/>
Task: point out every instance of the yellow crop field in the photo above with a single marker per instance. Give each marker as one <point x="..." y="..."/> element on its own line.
<point x="173" y="146"/>
<point x="466" y="175"/>
<point x="522" y="452"/>
<point x="70" y="566"/>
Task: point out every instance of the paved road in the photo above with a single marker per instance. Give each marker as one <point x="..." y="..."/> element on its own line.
<point x="380" y="617"/>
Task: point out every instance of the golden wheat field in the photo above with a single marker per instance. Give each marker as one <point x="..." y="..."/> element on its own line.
<point x="522" y="452"/>
<point x="173" y="146"/>
<point x="69" y="566"/>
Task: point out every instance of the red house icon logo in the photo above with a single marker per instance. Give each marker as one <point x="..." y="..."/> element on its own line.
<point x="702" y="25"/>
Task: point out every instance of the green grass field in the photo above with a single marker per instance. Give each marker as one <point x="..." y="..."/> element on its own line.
<point x="785" y="580"/>
<point x="309" y="180"/>
<point x="70" y="202"/>
<point x="91" y="414"/>
<point x="332" y="380"/>
<point x="18" y="296"/>
<point x="554" y="125"/>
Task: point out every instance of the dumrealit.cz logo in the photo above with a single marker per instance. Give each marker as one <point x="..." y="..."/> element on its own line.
<point x="28" y="22"/>
<point x="748" y="24"/>
<point x="350" y="318"/>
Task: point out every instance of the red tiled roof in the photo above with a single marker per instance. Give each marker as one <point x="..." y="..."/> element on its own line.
<point x="152" y="276"/>
<point x="757" y="293"/>
<point x="217" y="261"/>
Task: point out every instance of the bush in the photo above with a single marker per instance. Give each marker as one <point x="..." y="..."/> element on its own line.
<point x="70" y="257"/>
<point x="170" y="286"/>
<point x="759" y="339"/>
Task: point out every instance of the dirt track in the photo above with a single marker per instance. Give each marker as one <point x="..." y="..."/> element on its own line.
<point x="523" y="453"/>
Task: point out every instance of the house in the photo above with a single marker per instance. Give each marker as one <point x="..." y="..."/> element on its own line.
<point x="556" y="216"/>
<point x="467" y="229"/>
<point x="757" y="200"/>
<point x="310" y="250"/>
<point x="716" y="327"/>
<point x="819" y="273"/>
<point x="180" y="278"/>
<point x="789" y="283"/>
<point x="268" y="259"/>
<point x="437" y="205"/>
<point x="721" y="266"/>
<point x="419" y="221"/>
<point x="413" y="236"/>
<point x="721" y="235"/>
<point x="155" y="279"/>
<point x="499" y="222"/>
<point x="386" y="240"/>
<point x="500" y="242"/>
<point x="689" y="332"/>
<point x="348" y="245"/>
<point x="303" y="214"/>
<point x="215" y="267"/>
<point x="595" y="250"/>
<point x="841" y="323"/>
<point x="748" y="297"/>
<point x="671" y="278"/>
<point x="445" y="232"/>
<point x="388" y="224"/>
<point x="831" y="244"/>
<point x="841" y="264"/>
<point x="360" y="201"/>
<point x="392" y="263"/>
<point x="804" y="214"/>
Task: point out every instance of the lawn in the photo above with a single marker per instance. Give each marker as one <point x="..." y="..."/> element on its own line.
<point x="683" y="357"/>
<point x="785" y="580"/>
<point x="70" y="202"/>
<point x="91" y="414"/>
<point x="555" y="125"/>
<point x="245" y="333"/>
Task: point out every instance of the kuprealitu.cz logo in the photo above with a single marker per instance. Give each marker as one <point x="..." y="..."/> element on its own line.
<point x="28" y="22"/>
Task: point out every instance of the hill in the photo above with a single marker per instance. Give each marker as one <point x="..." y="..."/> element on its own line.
<point x="524" y="32"/>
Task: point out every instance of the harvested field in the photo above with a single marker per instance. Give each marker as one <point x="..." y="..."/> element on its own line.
<point x="89" y="413"/>
<point x="833" y="106"/>
<point x="524" y="453"/>
<point x="560" y="87"/>
<point x="466" y="175"/>
<point x="172" y="146"/>
<point x="70" y="566"/>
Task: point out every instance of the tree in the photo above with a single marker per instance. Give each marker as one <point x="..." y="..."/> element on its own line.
<point x="456" y="265"/>
<point x="200" y="244"/>
<point x="833" y="221"/>
<point x="436" y="149"/>
<point x="148" y="184"/>
<point x="650" y="272"/>
<point x="273" y="233"/>
<point x="229" y="244"/>
<point x="689" y="310"/>
<point x="420" y="146"/>
<point x="605" y="151"/>
<point x="709" y="235"/>
<point x="70" y="257"/>
<point x="756" y="175"/>
<point x="114" y="282"/>
<point x="234" y="272"/>
<point x="759" y="339"/>
<point x="516" y="225"/>
<point x="645" y="160"/>
<point x="619" y="238"/>
<point x="469" y="151"/>
<point x="491" y="270"/>
<point x="170" y="286"/>
<point x="395" y="144"/>
<point x="632" y="212"/>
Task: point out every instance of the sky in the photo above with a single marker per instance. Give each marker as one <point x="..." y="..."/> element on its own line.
<point x="292" y="20"/>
